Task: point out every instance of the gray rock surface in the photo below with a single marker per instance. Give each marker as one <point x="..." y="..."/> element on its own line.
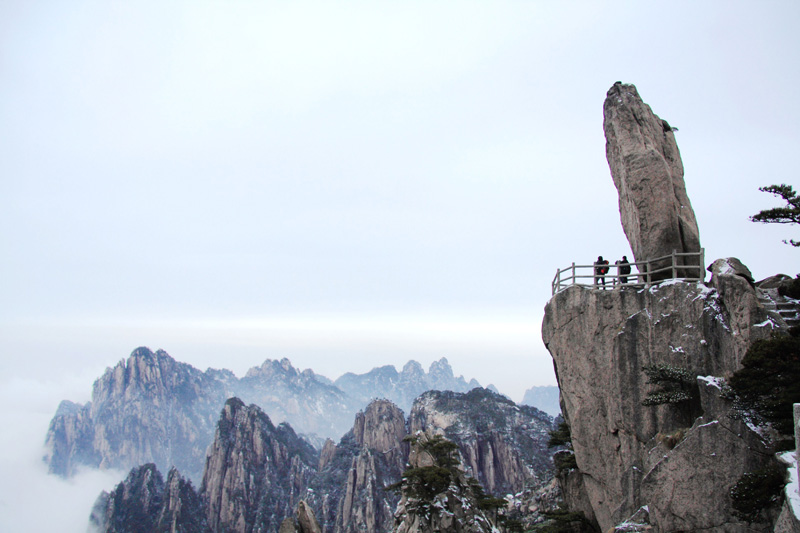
<point x="148" y="409"/>
<point x="256" y="473"/>
<point x="600" y="342"/>
<point x="503" y="445"/>
<point x="455" y="509"/>
<point x="648" y="173"/>
<point x="732" y="266"/>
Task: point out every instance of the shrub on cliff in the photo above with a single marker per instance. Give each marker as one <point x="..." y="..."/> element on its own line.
<point x="757" y="491"/>
<point x="769" y="383"/>
<point x="675" y="384"/>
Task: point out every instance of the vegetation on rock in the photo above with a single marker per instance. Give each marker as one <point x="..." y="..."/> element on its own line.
<point x="676" y="384"/>
<point x="789" y="214"/>
<point x="757" y="491"/>
<point x="769" y="383"/>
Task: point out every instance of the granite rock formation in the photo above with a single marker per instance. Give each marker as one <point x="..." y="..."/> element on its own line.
<point x="304" y="521"/>
<point x="148" y="409"/>
<point x="143" y="502"/>
<point x="310" y="403"/>
<point x="256" y="473"/>
<point x="679" y="461"/>
<point x="152" y="408"/>
<point x="454" y="508"/>
<point x="349" y="492"/>
<point x="503" y="445"/>
<point x="648" y="173"/>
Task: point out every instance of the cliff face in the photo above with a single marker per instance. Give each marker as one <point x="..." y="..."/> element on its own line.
<point x="255" y="473"/>
<point x="149" y="408"/>
<point x="648" y="173"/>
<point x="143" y="502"/>
<point x="452" y="505"/>
<point x="502" y="444"/>
<point x="679" y="460"/>
<point x="349" y="491"/>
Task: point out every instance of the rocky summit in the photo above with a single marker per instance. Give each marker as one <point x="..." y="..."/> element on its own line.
<point x="151" y="408"/>
<point x="647" y="171"/>
<point x="262" y="477"/>
<point x="503" y="445"/>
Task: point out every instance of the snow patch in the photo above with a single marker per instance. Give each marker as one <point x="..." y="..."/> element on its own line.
<point x="792" y="488"/>
<point x="714" y="381"/>
<point x="767" y="322"/>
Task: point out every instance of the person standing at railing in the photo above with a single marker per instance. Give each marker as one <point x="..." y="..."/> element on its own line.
<point x="623" y="269"/>
<point x="600" y="271"/>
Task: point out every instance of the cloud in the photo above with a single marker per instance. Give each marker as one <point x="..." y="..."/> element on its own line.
<point x="30" y="498"/>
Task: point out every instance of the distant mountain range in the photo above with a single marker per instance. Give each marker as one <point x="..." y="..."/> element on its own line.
<point x="151" y="408"/>
<point x="544" y="398"/>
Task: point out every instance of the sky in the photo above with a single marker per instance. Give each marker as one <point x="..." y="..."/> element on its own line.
<point x="348" y="185"/>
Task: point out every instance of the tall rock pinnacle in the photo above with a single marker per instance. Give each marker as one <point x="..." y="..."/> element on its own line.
<point x="648" y="173"/>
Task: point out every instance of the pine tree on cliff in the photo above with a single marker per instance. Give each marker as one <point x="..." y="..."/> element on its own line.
<point x="790" y="214"/>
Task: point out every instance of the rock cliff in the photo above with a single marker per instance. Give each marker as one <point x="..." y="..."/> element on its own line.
<point x="648" y="173"/>
<point x="679" y="461"/>
<point x="502" y="444"/>
<point x="255" y="473"/>
<point x="149" y="408"/>
<point x="349" y="493"/>
<point x="438" y="496"/>
<point x="143" y="502"/>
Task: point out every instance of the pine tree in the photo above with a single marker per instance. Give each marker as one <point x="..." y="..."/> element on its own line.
<point x="790" y="214"/>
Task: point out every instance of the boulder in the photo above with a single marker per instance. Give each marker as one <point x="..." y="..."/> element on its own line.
<point x="731" y="266"/>
<point x="647" y="171"/>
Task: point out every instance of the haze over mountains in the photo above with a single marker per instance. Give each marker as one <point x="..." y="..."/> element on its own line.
<point x="303" y="440"/>
<point x="152" y="408"/>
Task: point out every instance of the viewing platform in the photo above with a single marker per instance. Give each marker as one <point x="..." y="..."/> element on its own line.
<point x="682" y="266"/>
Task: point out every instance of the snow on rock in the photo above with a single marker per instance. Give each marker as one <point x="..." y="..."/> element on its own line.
<point x="792" y="489"/>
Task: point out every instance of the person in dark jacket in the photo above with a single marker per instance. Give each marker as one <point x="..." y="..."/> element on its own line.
<point x="600" y="271"/>
<point x="623" y="269"/>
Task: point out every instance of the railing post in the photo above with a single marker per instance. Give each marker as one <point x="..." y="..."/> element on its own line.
<point x="558" y="280"/>
<point x="573" y="272"/>
<point x="674" y="270"/>
<point x="701" y="275"/>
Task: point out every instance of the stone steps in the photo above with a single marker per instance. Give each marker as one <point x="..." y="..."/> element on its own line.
<point x="787" y="309"/>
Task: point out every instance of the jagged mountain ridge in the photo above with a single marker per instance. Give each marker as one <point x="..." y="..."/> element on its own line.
<point x="403" y="387"/>
<point x="257" y="473"/>
<point x="545" y="398"/>
<point x="152" y="408"/>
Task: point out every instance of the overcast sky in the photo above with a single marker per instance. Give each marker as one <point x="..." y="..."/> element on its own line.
<point x="356" y="184"/>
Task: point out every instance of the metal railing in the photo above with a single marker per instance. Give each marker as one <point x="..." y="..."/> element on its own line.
<point x="685" y="266"/>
